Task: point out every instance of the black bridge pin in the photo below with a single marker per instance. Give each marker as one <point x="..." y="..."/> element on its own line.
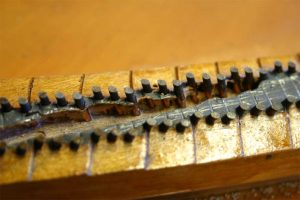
<point x="111" y="137"/>
<point x="44" y="99"/>
<point x="146" y="86"/>
<point x="249" y="79"/>
<point x="113" y="92"/>
<point x="228" y="117"/>
<point x="236" y="79"/>
<point x="21" y="149"/>
<point x="178" y="89"/>
<point x="257" y="109"/>
<point x="149" y="123"/>
<point x="221" y="85"/>
<point x="5" y="105"/>
<point x="97" y="93"/>
<point x="162" y="87"/>
<point x="212" y="117"/>
<point x="61" y="99"/>
<point x="54" y="144"/>
<point x="24" y="105"/>
<point x="207" y="85"/>
<point x="278" y="67"/>
<point x="38" y="142"/>
<point x="75" y="144"/>
<point x="95" y="137"/>
<point x="78" y="100"/>
<point x="263" y="74"/>
<point x="128" y="137"/>
<point x="287" y="102"/>
<point x="165" y="125"/>
<point x="130" y="95"/>
<point x="196" y="117"/>
<point x="291" y="68"/>
<point x="191" y="80"/>
<point x="242" y="108"/>
<point x="275" y="107"/>
<point x="182" y="125"/>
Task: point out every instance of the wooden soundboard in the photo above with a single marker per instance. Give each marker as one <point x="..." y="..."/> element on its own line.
<point x="205" y="160"/>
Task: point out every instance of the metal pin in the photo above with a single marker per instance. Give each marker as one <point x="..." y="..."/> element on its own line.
<point x="191" y="80"/>
<point x="178" y="89"/>
<point x="97" y="93"/>
<point x="249" y="79"/>
<point x="289" y="101"/>
<point x="165" y="125"/>
<point x="222" y="88"/>
<point x="24" y="105"/>
<point x="111" y="137"/>
<point x="78" y="100"/>
<point x="298" y="104"/>
<point x="210" y="119"/>
<point x="271" y="110"/>
<point x="149" y="123"/>
<point x="146" y="86"/>
<point x="113" y="92"/>
<point x="263" y="74"/>
<point x="207" y="85"/>
<point x="2" y="148"/>
<point x="196" y="117"/>
<point x="162" y="85"/>
<point x="228" y="117"/>
<point x="5" y="105"/>
<point x="130" y="95"/>
<point x="38" y="142"/>
<point x="128" y="137"/>
<point x="257" y="109"/>
<point x="61" y="99"/>
<point x="240" y="110"/>
<point x="75" y="144"/>
<point x="21" y="149"/>
<point x="54" y="144"/>
<point x="182" y="125"/>
<point x="95" y="137"/>
<point x="291" y="68"/>
<point x="236" y="78"/>
<point x="44" y="99"/>
<point x="278" y="67"/>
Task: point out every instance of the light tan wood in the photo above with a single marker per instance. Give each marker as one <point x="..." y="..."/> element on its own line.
<point x="268" y="62"/>
<point x="12" y="89"/>
<point x="63" y="163"/>
<point x="153" y="75"/>
<point x="224" y="67"/>
<point x="119" y="156"/>
<point x="170" y="149"/>
<point x="294" y="118"/>
<point x="63" y="37"/>
<point x="198" y="70"/>
<point x="120" y="80"/>
<point x="52" y="84"/>
<point x="218" y="142"/>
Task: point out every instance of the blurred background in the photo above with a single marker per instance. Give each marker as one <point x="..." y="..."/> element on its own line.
<point x="51" y="37"/>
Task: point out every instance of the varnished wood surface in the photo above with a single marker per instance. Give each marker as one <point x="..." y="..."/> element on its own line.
<point x="61" y="37"/>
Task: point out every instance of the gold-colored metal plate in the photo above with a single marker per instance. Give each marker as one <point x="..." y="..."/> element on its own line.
<point x="217" y="142"/>
<point x="63" y="163"/>
<point x="294" y="115"/>
<point x="12" y="89"/>
<point x="268" y="62"/>
<point x="14" y="168"/>
<point x="65" y="84"/>
<point x="224" y="67"/>
<point x="166" y="73"/>
<point x="118" y="156"/>
<point x="120" y="80"/>
<point x="264" y="134"/>
<point x="198" y="70"/>
<point x="171" y="148"/>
